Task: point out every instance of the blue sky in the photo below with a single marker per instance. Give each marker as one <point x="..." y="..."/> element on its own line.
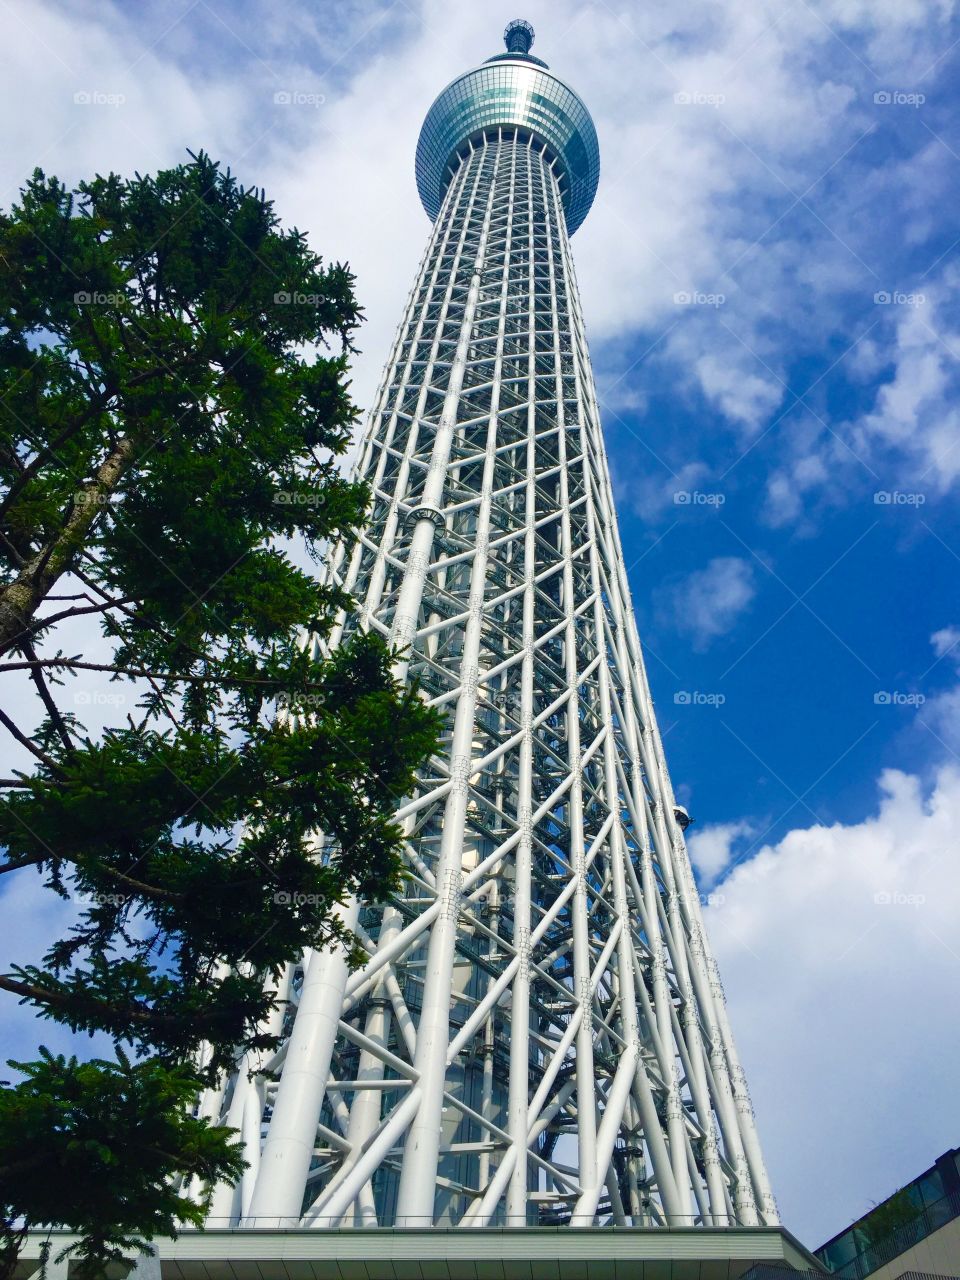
<point x="769" y="278"/>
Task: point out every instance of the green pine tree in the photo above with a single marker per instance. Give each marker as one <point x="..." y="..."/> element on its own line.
<point x="170" y="417"/>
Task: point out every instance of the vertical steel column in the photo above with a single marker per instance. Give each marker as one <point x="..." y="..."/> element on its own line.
<point x="418" y="1176"/>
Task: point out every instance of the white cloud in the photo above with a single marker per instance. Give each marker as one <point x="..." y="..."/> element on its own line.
<point x="652" y="490"/>
<point x="745" y="398"/>
<point x="840" y="956"/>
<point x="688" y="194"/>
<point x="915" y="414"/>
<point x="709" y="602"/>
<point x="946" y="641"/>
<point x="90" y="96"/>
<point x="940" y="714"/>
<point x="908" y="440"/>
<point x="711" y="848"/>
<point x="789" y="485"/>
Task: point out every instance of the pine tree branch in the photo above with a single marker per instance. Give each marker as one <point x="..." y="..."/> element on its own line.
<point x="148" y="890"/>
<point x="39" y="623"/>
<point x="12" y="550"/>
<point x="6" y="867"/>
<point x="108" y="1011"/>
<point x="48" y="452"/>
<point x="20" y="599"/>
<point x="143" y="673"/>
<point x="138" y="619"/>
<point x="30" y="745"/>
<point x="36" y="675"/>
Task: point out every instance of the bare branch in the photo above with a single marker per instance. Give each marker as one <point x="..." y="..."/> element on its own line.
<point x="36" y="675"/>
<point x="30" y="746"/>
<point x="143" y="673"/>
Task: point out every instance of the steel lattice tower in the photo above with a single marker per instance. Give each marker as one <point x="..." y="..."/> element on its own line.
<point x="539" y="1035"/>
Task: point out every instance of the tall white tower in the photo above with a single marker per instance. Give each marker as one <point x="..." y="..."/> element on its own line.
<point x="539" y="1035"/>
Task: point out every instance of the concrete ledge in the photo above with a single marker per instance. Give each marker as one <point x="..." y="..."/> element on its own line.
<point x="526" y="1253"/>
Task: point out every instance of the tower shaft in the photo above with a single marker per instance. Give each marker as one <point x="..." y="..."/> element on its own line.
<point x="539" y="1035"/>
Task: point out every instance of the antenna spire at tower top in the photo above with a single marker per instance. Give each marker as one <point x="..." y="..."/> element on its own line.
<point x="518" y="36"/>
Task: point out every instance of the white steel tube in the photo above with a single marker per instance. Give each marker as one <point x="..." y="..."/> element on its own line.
<point x="539" y="1034"/>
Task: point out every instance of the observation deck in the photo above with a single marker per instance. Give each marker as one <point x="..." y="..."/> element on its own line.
<point x="511" y="90"/>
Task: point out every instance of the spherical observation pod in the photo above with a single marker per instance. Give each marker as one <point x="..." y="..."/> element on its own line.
<point x="511" y="90"/>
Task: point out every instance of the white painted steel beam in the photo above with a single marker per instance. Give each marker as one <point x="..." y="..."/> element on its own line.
<point x="539" y="1035"/>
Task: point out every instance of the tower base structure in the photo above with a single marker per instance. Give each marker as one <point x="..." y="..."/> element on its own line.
<point x="507" y="1253"/>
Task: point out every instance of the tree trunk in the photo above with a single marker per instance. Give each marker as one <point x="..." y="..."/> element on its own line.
<point x="20" y="599"/>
